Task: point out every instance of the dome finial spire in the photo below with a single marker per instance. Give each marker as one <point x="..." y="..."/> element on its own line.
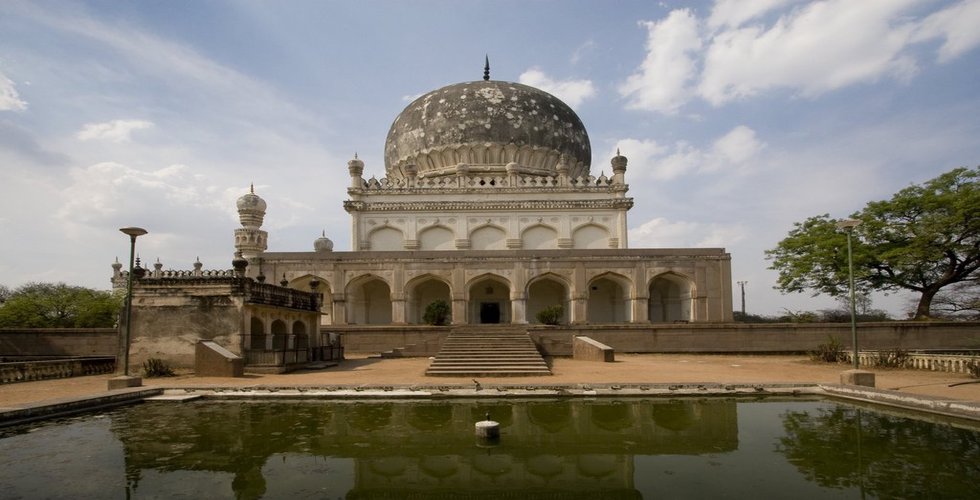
<point x="486" y="68"/>
<point x="251" y="187"/>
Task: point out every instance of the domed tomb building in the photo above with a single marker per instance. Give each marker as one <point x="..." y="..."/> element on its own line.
<point x="489" y="203"/>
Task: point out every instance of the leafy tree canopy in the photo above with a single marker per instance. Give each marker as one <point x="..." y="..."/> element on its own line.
<point x="925" y="238"/>
<point x="50" y="305"/>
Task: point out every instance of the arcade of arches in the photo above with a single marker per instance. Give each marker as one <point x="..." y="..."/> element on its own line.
<point x="489" y="289"/>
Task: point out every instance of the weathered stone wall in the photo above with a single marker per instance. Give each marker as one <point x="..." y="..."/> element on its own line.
<point x="169" y="327"/>
<point x="41" y="342"/>
<point x="170" y="315"/>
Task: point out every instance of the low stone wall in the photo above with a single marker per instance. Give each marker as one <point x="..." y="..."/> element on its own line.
<point x="20" y="343"/>
<point x="375" y="339"/>
<point x="43" y="370"/>
<point x="760" y="338"/>
<point x="689" y="337"/>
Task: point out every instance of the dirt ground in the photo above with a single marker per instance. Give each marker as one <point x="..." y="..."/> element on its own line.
<point x="637" y="368"/>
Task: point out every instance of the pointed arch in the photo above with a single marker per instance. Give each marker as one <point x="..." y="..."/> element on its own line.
<point x="437" y="237"/>
<point x="671" y="298"/>
<point x="488" y="237"/>
<point x="609" y="299"/>
<point x="488" y="299"/>
<point x="539" y="237"/>
<point x="546" y="290"/>
<point x="423" y="290"/>
<point x="256" y="331"/>
<point x="368" y="300"/>
<point x="590" y="235"/>
<point x="386" y="238"/>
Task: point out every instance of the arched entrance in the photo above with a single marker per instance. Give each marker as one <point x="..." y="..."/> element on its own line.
<point x="489" y="301"/>
<point x="608" y="300"/>
<point x="369" y="301"/>
<point x="670" y="299"/>
<point x="423" y="291"/>
<point x="544" y="292"/>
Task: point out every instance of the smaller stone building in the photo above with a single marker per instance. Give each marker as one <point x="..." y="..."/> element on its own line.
<point x="266" y="324"/>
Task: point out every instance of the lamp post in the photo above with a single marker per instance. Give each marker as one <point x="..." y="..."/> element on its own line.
<point x="848" y="225"/>
<point x="133" y="233"/>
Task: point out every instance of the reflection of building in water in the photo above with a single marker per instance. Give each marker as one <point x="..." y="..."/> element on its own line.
<point x="580" y="448"/>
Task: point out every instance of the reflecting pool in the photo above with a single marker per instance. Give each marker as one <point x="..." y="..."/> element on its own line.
<point x="594" y="449"/>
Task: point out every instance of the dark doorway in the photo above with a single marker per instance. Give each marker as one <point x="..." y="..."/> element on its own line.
<point x="489" y="312"/>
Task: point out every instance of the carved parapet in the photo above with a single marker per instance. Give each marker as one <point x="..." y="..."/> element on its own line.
<point x="444" y="159"/>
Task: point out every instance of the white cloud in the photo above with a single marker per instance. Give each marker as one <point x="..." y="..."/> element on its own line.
<point x="734" y="151"/>
<point x="115" y="130"/>
<point x="9" y="98"/>
<point x="661" y="81"/>
<point x="662" y="233"/>
<point x="821" y="47"/>
<point x="104" y="192"/>
<point x="745" y="48"/>
<point x="959" y="25"/>
<point x="737" y="147"/>
<point x="572" y="92"/>
<point x="582" y="50"/>
<point x="734" y="13"/>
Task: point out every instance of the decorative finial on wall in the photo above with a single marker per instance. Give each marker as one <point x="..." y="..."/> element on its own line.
<point x="486" y="68"/>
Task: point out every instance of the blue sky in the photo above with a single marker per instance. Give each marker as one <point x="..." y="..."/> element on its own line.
<point x="739" y="117"/>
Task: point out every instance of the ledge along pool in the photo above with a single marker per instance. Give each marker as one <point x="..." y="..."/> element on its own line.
<point x="568" y="448"/>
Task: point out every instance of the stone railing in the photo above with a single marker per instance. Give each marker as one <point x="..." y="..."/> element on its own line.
<point x="275" y="295"/>
<point x="486" y="182"/>
<point x="936" y="362"/>
<point x="42" y="370"/>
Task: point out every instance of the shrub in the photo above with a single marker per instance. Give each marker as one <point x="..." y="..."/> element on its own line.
<point x="895" y="358"/>
<point x="974" y="368"/>
<point x="551" y="315"/>
<point x="156" y="367"/>
<point x="437" y="313"/>
<point x="831" y="352"/>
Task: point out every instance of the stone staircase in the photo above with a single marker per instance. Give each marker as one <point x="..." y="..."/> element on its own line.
<point x="488" y="351"/>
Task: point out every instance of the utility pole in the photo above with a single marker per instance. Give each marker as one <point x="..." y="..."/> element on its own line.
<point x="741" y="284"/>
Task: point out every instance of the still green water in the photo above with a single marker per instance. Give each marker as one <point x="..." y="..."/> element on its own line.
<point x="595" y="449"/>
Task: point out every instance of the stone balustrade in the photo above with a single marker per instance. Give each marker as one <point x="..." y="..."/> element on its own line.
<point x="28" y="371"/>
<point x="936" y="362"/>
<point x="486" y="182"/>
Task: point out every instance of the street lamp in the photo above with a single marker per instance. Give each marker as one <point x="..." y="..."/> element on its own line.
<point x="848" y="225"/>
<point x="133" y="232"/>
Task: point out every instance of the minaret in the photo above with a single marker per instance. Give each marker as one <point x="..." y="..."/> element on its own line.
<point x="250" y="239"/>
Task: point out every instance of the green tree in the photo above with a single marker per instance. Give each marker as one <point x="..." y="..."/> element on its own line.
<point x="925" y="238"/>
<point x="50" y="305"/>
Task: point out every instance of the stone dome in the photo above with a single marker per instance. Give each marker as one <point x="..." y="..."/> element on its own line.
<point x="486" y="125"/>
<point x="323" y="244"/>
<point x="251" y="201"/>
<point x="251" y="209"/>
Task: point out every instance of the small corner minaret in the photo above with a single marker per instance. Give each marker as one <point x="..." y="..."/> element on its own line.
<point x="250" y="239"/>
<point x="619" y="168"/>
